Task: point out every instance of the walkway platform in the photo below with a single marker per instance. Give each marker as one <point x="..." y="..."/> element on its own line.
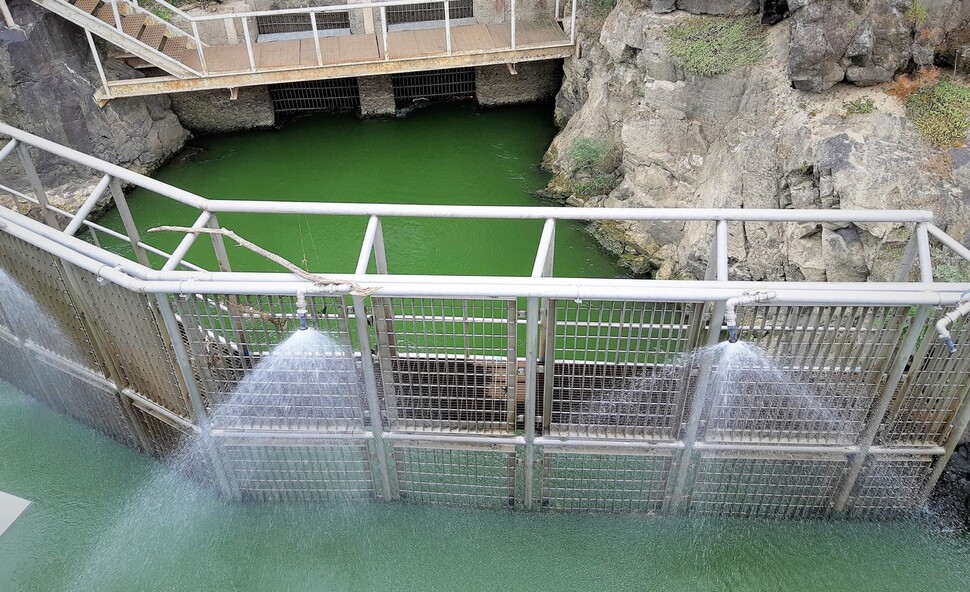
<point x="228" y="66"/>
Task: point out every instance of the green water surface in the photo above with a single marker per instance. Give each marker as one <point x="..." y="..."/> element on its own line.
<point x="450" y="154"/>
<point x="179" y="538"/>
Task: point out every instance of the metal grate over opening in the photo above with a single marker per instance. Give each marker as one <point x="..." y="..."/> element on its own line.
<point x="433" y="85"/>
<point x="605" y="482"/>
<point x="275" y="24"/>
<point x="890" y="486"/>
<point x="455" y="476"/>
<point x="339" y="94"/>
<point x="432" y="11"/>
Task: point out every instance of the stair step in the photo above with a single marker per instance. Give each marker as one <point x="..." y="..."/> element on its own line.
<point x="132" y="24"/>
<point x="175" y="47"/>
<point x="138" y="63"/>
<point x="153" y="35"/>
<point x="87" y="6"/>
<point x="107" y="15"/>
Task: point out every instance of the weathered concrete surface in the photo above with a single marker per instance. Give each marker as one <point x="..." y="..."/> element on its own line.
<point x="47" y="84"/>
<point x="214" y="111"/>
<point x="376" y="96"/>
<point x="534" y="81"/>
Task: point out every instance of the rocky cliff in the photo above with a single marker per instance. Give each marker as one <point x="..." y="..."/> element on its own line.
<point x="777" y="134"/>
<point x="47" y="84"/>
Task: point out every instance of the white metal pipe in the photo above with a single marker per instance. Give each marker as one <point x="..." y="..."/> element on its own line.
<point x="199" y="47"/>
<point x="551" y="442"/>
<point x="512" y="19"/>
<point x="155" y="408"/>
<point x="251" y="435"/>
<point x="948" y="241"/>
<point x="775" y="448"/>
<point x="8" y="148"/>
<point x="721" y="239"/>
<point x="316" y="38"/>
<point x="943" y="325"/>
<point x="384" y="30"/>
<point x="117" y="16"/>
<point x="302" y="293"/>
<point x="455" y="439"/>
<point x="572" y="24"/>
<point x="730" y="309"/>
<point x="907" y="451"/>
<point x="448" y="26"/>
<point x="367" y="247"/>
<point x="82" y="213"/>
<point x="923" y="247"/>
<point x="187" y="241"/>
<point x="249" y="44"/>
<point x="545" y="250"/>
<point x="7" y="17"/>
<point x="97" y="63"/>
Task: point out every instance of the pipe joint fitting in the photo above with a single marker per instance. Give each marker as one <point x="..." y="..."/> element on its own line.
<point x="731" y="314"/>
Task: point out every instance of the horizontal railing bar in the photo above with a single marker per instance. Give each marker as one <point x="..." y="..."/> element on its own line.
<point x="601" y="443"/>
<point x="143" y="279"/>
<point x="775" y="448"/>
<point x="907" y="450"/>
<point x="474" y="212"/>
<point x="283" y="434"/>
<point x="7" y="149"/>
<point x="949" y="241"/>
<point x="155" y="408"/>
<point x="309" y="9"/>
<point x="454" y="438"/>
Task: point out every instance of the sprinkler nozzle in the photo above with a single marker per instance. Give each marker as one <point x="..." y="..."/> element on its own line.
<point x="731" y="314"/>
<point x="302" y="312"/>
<point x="950" y="345"/>
<point x="943" y="325"/>
<point x="732" y="333"/>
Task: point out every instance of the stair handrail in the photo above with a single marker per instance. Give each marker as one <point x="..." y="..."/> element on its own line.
<point x="143" y="10"/>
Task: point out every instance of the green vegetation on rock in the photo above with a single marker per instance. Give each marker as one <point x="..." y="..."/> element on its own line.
<point x="860" y="106"/>
<point x="594" y="162"/>
<point x="941" y="112"/>
<point x="917" y="13"/>
<point x="714" y="45"/>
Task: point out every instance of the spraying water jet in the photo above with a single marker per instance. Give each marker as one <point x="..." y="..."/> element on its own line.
<point x="943" y="325"/>
<point x="730" y="310"/>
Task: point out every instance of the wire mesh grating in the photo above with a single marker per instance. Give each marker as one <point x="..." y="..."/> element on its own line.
<point x="310" y="470"/>
<point x="616" y="373"/>
<point x="448" y="364"/>
<point x="605" y="482"/>
<point x="814" y="376"/>
<point x="456" y="476"/>
<point x="890" y="486"/>
<point x="788" y="486"/>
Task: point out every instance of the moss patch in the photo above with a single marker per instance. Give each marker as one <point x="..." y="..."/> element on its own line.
<point x="941" y="112"/>
<point x="714" y="45"/>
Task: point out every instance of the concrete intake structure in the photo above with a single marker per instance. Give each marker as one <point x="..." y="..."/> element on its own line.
<point x="528" y="392"/>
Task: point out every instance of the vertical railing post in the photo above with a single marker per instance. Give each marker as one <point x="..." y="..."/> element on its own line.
<point x="878" y="414"/>
<point x="909" y="258"/>
<point x="7" y="17"/>
<point x="121" y="204"/>
<point x="198" y="47"/>
<point x="249" y="44"/>
<point x="572" y="24"/>
<point x="117" y="16"/>
<point x="232" y="302"/>
<point x="97" y="62"/>
<point x="512" y="10"/>
<point x="699" y="402"/>
<point x="555" y="14"/>
<point x="368" y="367"/>
<point x="384" y="30"/>
<point x="532" y="352"/>
<point x="923" y="248"/>
<point x="36" y="185"/>
<point x="448" y="26"/>
<point x="171" y="335"/>
<point x="316" y="38"/>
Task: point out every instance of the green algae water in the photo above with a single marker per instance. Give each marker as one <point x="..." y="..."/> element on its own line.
<point x="450" y="154"/>
<point x="81" y="484"/>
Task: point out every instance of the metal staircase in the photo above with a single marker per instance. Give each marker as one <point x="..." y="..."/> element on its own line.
<point x="134" y="30"/>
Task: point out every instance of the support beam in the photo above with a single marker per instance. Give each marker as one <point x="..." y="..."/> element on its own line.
<point x="39" y="193"/>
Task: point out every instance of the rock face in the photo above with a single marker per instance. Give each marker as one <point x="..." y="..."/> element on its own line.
<point x="746" y="139"/>
<point x="47" y="84"/>
<point x="214" y="111"/>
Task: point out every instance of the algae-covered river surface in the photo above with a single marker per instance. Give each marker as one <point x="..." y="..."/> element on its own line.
<point x="449" y="154"/>
<point x="81" y="484"/>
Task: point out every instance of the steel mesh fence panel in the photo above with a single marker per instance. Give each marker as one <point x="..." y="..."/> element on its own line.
<point x="300" y="23"/>
<point x="605" y="482"/>
<point x="129" y="323"/>
<point x="432" y="11"/>
<point x="448" y="364"/>
<point x="17" y="369"/>
<point x="311" y="470"/>
<point x="890" y="486"/>
<point x="931" y="395"/>
<point x="814" y="376"/>
<point x="91" y="400"/>
<point x="453" y="83"/>
<point x="258" y="371"/>
<point x="790" y="486"/>
<point x="56" y="325"/>
<point x="456" y="476"/>
<point x="338" y="94"/>
<point x="618" y="371"/>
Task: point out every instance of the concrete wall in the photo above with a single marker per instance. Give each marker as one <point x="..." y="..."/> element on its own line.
<point x="214" y="111"/>
<point x="534" y="81"/>
<point x="376" y="96"/>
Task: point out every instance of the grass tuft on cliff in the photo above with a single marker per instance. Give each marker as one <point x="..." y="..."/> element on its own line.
<point x="941" y="112"/>
<point x="714" y="45"/>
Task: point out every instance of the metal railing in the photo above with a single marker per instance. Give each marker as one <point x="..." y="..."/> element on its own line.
<point x="592" y="406"/>
<point x="313" y="12"/>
